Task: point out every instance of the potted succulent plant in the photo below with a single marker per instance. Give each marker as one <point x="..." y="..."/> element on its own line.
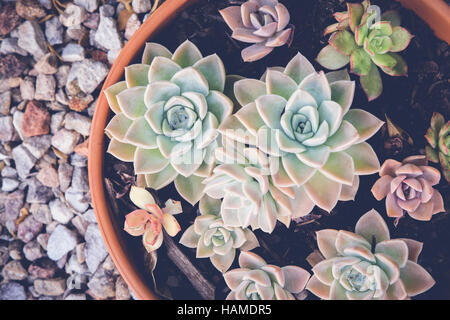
<point x="237" y="129"/>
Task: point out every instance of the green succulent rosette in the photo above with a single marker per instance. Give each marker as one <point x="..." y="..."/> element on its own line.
<point x="368" y="41"/>
<point x="438" y="137"/>
<point x="315" y="143"/>
<point x="167" y="112"/>
<point x="214" y="239"/>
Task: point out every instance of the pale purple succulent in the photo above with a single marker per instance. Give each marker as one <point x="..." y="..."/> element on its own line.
<point x="408" y="186"/>
<point x="261" y="22"/>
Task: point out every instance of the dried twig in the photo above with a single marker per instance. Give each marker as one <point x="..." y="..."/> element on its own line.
<point x="198" y="281"/>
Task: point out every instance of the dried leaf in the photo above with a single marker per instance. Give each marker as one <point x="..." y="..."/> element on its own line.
<point x="395" y="131"/>
<point x="123" y="19"/>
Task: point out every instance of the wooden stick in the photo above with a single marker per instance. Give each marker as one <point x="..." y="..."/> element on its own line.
<point x="198" y="281"/>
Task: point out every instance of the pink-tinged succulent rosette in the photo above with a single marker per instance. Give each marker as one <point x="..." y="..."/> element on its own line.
<point x="261" y="22"/>
<point x="150" y="220"/>
<point x="408" y="187"/>
<point x="257" y="280"/>
<point x="368" y="264"/>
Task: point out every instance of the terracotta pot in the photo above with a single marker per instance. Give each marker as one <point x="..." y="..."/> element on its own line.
<point x="436" y="12"/>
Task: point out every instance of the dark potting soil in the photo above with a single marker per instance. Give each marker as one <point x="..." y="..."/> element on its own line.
<point x="408" y="101"/>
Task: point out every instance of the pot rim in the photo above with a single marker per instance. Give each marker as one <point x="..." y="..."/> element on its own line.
<point x="161" y="17"/>
<point x="426" y="9"/>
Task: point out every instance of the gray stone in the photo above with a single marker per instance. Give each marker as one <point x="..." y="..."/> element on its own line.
<point x="60" y="211"/>
<point x="48" y="64"/>
<point x="37" y="192"/>
<point x="113" y="54"/>
<point x="9" y="45"/>
<point x="28" y="229"/>
<point x="43" y="268"/>
<point x="80" y="180"/>
<point x="4" y="255"/>
<point x="41" y="212"/>
<point x="141" y="6"/>
<point x="73" y="15"/>
<point x="65" y="171"/>
<point x="56" y="121"/>
<point x="78" y="160"/>
<point x="122" y="292"/>
<point x="50" y="287"/>
<point x="42" y="239"/>
<point x="75" y="296"/>
<point x="45" y="87"/>
<point x="76" y="32"/>
<point x="95" y="250"/>
<point x="133" y="24"/>
<point x="107" y="11"/>
<point x="72" y="52"/>
<point x="61" y="75"/>
<point x="32" y="251"/>
<point x="89" y="216"/>
<point x="54" y="31"/>
<point x="15" y="250"/>
<point x="77" y="200"/>
<point x="89" y="73"/>
<point x="9" y="184"/>
<point x="5" y="102"/>
<point x="65" y="140"/>
<point x="9" y="172"/>
<point x="14" y="270"/>
<point x="13" y="203"/>
<point x="77" y="122"/>
<point x="89" y="5"/>
<point x="38" y="145"/>
<point x="61" y="97"/>
<point x="102" y="284"/>
<point x="47" y="4"/>
<point x="61" y="241"/>
<point x="92" y="21"/>
<point x="24" y="160"/>
<point x="80" y="224"/>
<point x="107" y="36"/>
<point x="32" y="39"/>
<point x="12" y="291"/>
<point x="27" y="88"/>
<point x="73" y="266"/>
<point x="17" y="122"/>
<point x="7" y="132"/>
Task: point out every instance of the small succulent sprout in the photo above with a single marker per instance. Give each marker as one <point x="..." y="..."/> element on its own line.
<point x="408" y="186"/>
<point x="167" y="112"/>
<point x="215" y="240"/>
<point x="367" y="264"/>
<point x="261" y="22"/>
<point x="438" y="137"/>
<point x="257" y="280"/>
<point x="249" y="196"/>
<point x="149" y="220"/>
<point x="366" y="40"/>
<point x="302" y="120"/>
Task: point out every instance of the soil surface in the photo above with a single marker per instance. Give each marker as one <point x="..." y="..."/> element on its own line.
<point x="408" y="101"/>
